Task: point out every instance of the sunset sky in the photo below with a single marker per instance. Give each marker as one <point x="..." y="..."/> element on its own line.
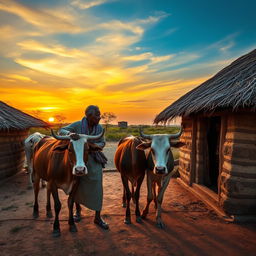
<point x="130" y="57"/>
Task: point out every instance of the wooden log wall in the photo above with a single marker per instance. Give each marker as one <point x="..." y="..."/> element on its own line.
<point x="12" y="153"/>
<point x="201" y="175"/>
<point x="238" y="174"/>
<point x="185" y="151"/>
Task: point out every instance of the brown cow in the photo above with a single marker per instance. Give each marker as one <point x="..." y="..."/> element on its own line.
<point x="131" y="163"/>
<point x="59" y="162"/>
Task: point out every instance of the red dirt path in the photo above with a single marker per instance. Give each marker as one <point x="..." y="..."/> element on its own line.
<point x="191" y="228"/>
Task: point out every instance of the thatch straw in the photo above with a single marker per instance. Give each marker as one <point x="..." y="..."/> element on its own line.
<point x="12" y="118"/>
<point x="232" y="88"/>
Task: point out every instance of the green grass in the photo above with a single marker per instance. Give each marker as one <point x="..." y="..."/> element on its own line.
<point x="115" y="133"/>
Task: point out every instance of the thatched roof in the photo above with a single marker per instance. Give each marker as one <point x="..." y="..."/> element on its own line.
<point x="12" y="118"/>
<point x="232" y="88"/>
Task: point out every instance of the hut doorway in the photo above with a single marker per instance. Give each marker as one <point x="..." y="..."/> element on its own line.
<point x="213" y="145"/>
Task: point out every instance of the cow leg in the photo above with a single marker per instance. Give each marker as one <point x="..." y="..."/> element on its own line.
<point x="133" y="195"/>
<point x="57" y="207"/>
<point x="137" y="197"/>
<point x="77" y="216"/>
<point x="36" y="191"/>
<point x="48" y="203"/>
<point x="43" y="183"/>
<point x="124" y="198"/>
<point x="149" y="196"/>
<point x="154" y="193"/>
<point x="71" y="222"/>
<point x="160" y="196"/>
<point x="128" y="199"/>
<point x="28" y="153"/>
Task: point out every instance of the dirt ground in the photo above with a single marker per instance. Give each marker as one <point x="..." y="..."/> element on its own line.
<point x="191" y="228"/>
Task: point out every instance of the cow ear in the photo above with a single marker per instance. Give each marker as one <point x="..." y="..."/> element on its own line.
<point x="61" y="147"/>
<point x="177" y="144"/>
<point x="144" y="145"/>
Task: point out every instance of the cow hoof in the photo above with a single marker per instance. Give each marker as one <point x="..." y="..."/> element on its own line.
<point x="56" y="233"/>
<point x="35" y="215"/>
<point x="72" y="228"/>
<point x="124" y="205"/>
<point x="160" y="225"/>
<point x="138" y="219"/>
<point x="127" y="221"/>
<point x="144" y="216"/>
<point x="49" y="214"/>
<point x="77" y="218"/>
<point x="29" y="187"/>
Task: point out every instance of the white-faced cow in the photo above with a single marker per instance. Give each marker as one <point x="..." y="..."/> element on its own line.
<point x="131" y="163"/>
<point x="29" y="145"/>
<point x="59" y="161"/>
<point x="160" y="163"/>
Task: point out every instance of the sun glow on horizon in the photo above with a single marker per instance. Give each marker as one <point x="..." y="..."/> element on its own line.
<point x="51" y="119"/>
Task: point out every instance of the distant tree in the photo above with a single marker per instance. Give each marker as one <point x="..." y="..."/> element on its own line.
<point x="60" y="118"/>
<point x="107" y="118"/>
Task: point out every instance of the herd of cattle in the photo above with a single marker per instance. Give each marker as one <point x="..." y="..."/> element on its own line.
<point x="60" y="161"/>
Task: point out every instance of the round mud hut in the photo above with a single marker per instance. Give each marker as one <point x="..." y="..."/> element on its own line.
<point x="218" y="161"/>
<point x="14" y="128"/>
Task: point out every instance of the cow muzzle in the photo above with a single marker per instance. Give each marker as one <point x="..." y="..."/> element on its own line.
<point x="80" y="170"/>
<point x="160" y="170"/>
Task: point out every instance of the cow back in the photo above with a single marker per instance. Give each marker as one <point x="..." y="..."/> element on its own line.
<point x="51" y="161"/>
<point x="130" y="161"/>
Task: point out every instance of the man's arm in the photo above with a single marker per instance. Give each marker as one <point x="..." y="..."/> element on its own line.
<point x="71" y="128"/>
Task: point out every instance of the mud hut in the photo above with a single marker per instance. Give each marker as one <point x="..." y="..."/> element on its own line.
<point x="14" y="128"/>
<point x="218" y="162"/>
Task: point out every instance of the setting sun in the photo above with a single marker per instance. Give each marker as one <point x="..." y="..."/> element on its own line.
<point x="51" y="119"/>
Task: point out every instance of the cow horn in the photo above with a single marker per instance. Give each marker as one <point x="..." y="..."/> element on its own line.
<point x="145" y="136"/>
<point x="58" y="137"/>
<point x="176" y="135"/>
<point x="94" y="137"/>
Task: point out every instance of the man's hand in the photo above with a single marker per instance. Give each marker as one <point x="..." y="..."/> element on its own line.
<point x="74" y="136"/>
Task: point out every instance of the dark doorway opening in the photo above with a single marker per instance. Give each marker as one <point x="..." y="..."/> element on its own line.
<point x="213" y="143"/>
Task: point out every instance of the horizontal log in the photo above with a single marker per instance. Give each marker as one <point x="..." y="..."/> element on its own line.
<point x="238" y="186"/>
<point x="238" y="170"/>
<point x="11" y="163"/>
<point x="240" y="136"/>
<point x="184" y="177"/>
<point x="234" y="194"/>
<point x="184" y="157"/>
<point x="237" y="206"/>
<point x="13" y="153"/>
<point x="245" y="151"/>
<point x="240" y="161"/>
<point x="185" y="150"/>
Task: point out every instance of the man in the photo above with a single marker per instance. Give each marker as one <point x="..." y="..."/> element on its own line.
<point x="90" y="190"/>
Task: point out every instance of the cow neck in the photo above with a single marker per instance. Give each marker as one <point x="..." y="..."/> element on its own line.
<point x="150" y="162"/>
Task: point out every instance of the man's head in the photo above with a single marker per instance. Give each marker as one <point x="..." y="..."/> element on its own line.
<point x="92" y="114"/>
